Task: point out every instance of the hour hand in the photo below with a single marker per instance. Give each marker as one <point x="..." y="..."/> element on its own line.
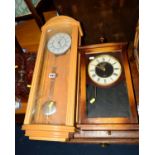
<point x="101" y="68"/>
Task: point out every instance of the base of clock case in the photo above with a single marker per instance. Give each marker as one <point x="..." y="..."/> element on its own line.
<point x="108" y="127"/>
<point x="105" y="141"/>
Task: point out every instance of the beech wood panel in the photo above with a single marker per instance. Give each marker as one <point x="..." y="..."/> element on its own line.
<point x="47" y="138"/>
<point x="35" y="81"/>
<point x="50" y="135"/>
<point x="60" y="85"/>
<point x="48" y="127"/>
<point x="71" y="83"/>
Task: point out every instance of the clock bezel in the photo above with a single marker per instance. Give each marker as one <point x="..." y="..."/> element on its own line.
<point x="54" y="35"/>
<point x="110" y="84"/>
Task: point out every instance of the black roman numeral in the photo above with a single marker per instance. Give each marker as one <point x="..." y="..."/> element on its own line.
<point x="92" y="70"/>
<point x="115" y="74"/>
<point x="103" y="59"/>
<point x="97" y="60"/>
<point x="93" y="75"/>
<point x="114" y="63"/>
<point x="111" y="79"/>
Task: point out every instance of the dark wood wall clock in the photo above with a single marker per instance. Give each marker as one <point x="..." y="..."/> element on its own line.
<point x="106" y="99"/>
<point x="104" y="70"/>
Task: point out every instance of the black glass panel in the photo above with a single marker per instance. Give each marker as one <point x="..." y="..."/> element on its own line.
<point x="110" y="102"/>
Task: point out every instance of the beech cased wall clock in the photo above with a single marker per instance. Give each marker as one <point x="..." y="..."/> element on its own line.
<point x="51" y="104"/>
<point x="106" y="98"/>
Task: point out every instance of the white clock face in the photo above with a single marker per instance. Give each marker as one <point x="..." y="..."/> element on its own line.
<point x="104" y="70"/>
<point x="59" y="43"/>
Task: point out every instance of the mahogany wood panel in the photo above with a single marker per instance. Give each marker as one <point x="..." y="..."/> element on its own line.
<point x="105" y="141"/>
<point x="106" y="134"/>
<point x="98" y="49"/>
<point x="110" y="127"/>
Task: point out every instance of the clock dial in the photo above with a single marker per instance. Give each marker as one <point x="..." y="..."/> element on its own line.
<point x="59" y="43"/>
<point x="104" y="70"/>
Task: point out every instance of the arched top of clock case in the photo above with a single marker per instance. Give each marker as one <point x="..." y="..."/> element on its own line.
<point x="62" y="20"/>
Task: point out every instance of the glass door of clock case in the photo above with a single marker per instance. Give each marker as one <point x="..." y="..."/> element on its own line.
<point x="50" y="89"/>
<point x="100" y="102"/>
<point x="109" y="102"/>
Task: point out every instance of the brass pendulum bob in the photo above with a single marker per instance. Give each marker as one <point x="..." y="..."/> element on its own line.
<point x="93" y="99"/>
<point x="49" y="108"/>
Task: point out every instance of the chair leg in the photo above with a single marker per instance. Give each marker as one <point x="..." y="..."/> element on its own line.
<point x="36" y="16"/>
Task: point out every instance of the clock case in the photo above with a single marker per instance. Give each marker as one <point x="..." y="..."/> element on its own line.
<point x="83" y="120"/>
<point x="58" y="126"/>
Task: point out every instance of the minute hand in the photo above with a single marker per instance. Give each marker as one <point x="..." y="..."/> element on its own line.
<point x="103" y="69"/>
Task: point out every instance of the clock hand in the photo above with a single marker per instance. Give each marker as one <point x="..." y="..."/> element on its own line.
<point x="59" y="42"/>
<point x="103" y="69"/>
